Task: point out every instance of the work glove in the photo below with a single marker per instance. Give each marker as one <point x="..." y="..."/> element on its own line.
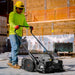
<point x="17" y="27"/>
<point x="31" y="27"/>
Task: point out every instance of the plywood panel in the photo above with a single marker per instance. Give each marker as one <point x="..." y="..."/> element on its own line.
<point x="38" y="15"/>
<point x="56" y="9"/>
<point x="39" y="4"/>
<point x="72" y="12"/>
<point x="50" y="14"/>
<point x="56" y="4"/>
<point x="40" y="28"/>
<point x="72" y="2"/>
<point x="61" y="13"/>
<point x="65" y="27"/>
<point x="34" y="5"/>
<point x="53" y="14"/>
<point x="28" y="16"/>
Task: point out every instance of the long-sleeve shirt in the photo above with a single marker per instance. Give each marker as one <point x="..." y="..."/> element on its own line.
<point x="16" y="19"/>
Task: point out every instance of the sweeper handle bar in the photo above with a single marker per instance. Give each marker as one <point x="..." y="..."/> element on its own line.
<point x="43" y="46"/>
<point x="31" y="28"/>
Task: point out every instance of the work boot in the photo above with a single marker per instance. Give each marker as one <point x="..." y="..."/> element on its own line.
<point x="9" y="64"/>
<point x="16" y="66"/>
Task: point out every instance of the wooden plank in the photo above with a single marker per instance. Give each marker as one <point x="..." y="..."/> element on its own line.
<point x="50" y="21"/>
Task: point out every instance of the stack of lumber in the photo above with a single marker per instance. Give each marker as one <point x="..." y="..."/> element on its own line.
<point x="3" y="33"/>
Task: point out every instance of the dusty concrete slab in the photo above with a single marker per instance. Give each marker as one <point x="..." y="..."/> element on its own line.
<point x="68" y="62"/>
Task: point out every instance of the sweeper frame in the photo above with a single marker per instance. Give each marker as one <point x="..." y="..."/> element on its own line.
<point x="44" y="63"/>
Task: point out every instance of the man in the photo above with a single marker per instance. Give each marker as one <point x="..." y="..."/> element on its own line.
<point x="16" y="18"/>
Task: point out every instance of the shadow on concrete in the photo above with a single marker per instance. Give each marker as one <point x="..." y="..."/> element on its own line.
<point x="3" y="67"/>
<point x="70" y="67"/>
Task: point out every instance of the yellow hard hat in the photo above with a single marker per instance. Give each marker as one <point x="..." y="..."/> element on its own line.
<point x="19" y="4"/>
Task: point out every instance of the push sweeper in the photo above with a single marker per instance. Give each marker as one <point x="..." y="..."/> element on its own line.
<point x="45" y="63"/>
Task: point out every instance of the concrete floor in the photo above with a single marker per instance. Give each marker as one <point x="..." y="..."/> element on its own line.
<point x="68" y="62"/>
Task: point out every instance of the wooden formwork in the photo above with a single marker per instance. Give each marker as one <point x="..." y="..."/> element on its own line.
<point x="60" y="13"/>
<point x="40" y="10"/>
<point x="72" y="2"/>
<point x="53" y="14"/>
<point x="34" y="5"/>
<point x="55" y="27"/>
<point x="50" y="4"/>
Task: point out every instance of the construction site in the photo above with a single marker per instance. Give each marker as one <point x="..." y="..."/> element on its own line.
<point x="53" y="23"/>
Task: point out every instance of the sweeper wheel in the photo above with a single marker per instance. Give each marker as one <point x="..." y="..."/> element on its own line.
<point x="28" y="65"/>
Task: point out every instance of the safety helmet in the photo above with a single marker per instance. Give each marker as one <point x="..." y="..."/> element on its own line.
<point x="19" y="4"/>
